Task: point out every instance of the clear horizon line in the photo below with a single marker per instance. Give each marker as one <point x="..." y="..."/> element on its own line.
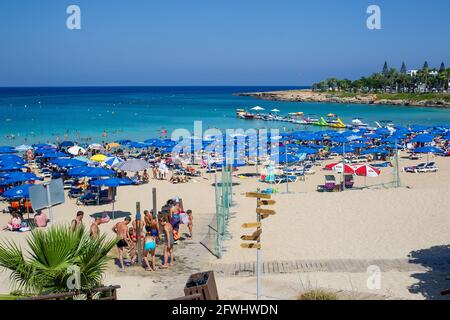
<point x="146" y="86"/>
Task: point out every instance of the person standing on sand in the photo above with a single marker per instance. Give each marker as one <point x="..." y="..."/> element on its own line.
<point x="168" y="243"/>
<point x="95" y="230"/>
<point x="40" y="218"/>
<point x="123" y="238"/>
<point x="78" y="221"/>
<point x="190" y="223"/>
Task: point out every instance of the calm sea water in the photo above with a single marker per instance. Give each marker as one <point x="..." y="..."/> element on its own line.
<point x="30" y="115"/>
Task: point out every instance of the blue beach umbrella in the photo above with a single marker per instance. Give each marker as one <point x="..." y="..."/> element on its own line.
<point x="65" y="144"/>
<point x="68" y="163"/>
<point x="113" y="183"/>
<point x="16" y="177"/>
<point x="53" y="155"/>
<point x="428" y="149"/>
<point x="7" y="149"/>
<point x="423" y="138"/>
<point x="90" y="172"/>
<point x="306" y="150"/>
<point x="23" y="147"/>
<point x="342" y="149"/>
<point x="375" y="151"/>
<point x="18" y="192"/>
<point x="113" y="161"/>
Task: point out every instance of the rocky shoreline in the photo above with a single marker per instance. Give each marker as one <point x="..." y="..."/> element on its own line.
<point x="310" y="96"/>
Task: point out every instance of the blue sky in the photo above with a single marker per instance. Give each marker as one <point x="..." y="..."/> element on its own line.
<point x="205" y="42"/>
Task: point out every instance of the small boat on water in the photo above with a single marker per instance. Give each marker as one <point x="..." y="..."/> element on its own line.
<point x="242" y="114"/>
<point x="357" y="124"/>
<point x="296" y="117"/>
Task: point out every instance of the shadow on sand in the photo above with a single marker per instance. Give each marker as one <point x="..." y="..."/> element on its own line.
<point x="117" y="214"/>
<point x="437" y="276"/>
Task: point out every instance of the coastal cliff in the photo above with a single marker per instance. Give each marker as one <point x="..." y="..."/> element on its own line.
<point x="441" y="101"/>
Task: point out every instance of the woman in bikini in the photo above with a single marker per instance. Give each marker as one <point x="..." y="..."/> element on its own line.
<point x="149" y="247"/>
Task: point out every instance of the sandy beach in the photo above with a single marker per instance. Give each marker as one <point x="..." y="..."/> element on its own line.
<point x="403" y="230"/>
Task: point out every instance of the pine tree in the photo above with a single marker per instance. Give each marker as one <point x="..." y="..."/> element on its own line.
<point x="385" y="69"/>
<point x="403" y="68"/>
<point x="442" y="68"/>
<point x="425" y="67"/>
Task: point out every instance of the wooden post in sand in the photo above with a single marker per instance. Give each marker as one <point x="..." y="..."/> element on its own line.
<point x="138" y="233"/>
<point x="261" y="214"/>
<point x="155" y="212"/>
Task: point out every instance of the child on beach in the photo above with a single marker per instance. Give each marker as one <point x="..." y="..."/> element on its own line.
<point x="190" y="222"/>
<point x="149" y="247"/>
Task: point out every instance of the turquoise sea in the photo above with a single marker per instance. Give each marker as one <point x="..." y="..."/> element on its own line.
<point x="31" y="115"/>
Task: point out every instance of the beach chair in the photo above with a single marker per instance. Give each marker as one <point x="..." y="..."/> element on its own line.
<point x="88" y="199"/>
<point x="349" y="182"/>
<point x="329" y="186"/>
<point x="285" y="179"/>
<point x="75" y="192"/>
<point x="429" y="167"/>
<point x="309" y="170"/>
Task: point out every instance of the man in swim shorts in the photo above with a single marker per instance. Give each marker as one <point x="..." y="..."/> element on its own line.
<point x="123" y="238"/>
<point x="168" y="243"/>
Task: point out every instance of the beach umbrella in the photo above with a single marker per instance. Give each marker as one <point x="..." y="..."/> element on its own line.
<point x="428" y="150"/>
<point x="95" y="146"/>
<point x="16" y="177"/>
<point x="113" y="161"/>
<point x="68" y="163"/>
<point x="367" y="171"/>
<point x="133" y="165"/>
<point x="257" y="108"/>
<point x="275" y="110"/>
<point x="114" y="145"/>
<point x="7" y="149"/>
<point x="18" y="192"/>
<point x="374" y="151"/>
<point x="90" y="172"/>
<point x="23" y="147"/>
<point x="53" y="155"/>
<point x="66" y="144"/>
<point x="342" y="149"/>
<point x="306" y="150"/>
<point x="338" y="167"/>
<point x="98" y="157"/>
<point x="423" y="138"/>
<point x="11" y="166"/>
<point x="76" y="150"/>
<point x="113" y="183"/>
<point x="138" y="145"/>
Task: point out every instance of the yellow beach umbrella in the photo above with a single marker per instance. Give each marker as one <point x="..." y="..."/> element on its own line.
<point x="113" y="145"/>
<point x="98" y="157"/>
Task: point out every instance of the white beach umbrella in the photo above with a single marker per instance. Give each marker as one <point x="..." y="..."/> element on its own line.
<point x="95" y="146"/>
<point x="75" y="150"/>
<point x="258" y="108"/>
<point x="275" y="110"/>
<point x="133" y="165"/>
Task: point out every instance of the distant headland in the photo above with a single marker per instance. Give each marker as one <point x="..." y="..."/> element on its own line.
<point x="427" y="87"/>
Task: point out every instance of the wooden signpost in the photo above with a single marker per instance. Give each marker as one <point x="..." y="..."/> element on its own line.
<point x="261" y="214"/>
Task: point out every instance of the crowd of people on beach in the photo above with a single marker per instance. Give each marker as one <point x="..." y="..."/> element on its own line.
<point x="142" y="236"/>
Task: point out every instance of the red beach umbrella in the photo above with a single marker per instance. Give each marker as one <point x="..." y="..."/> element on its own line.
<point x="338" y="168"/>
<point x="367" y="171"/>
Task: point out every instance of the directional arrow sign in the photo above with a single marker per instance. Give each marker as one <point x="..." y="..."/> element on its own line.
<point x="257" y="195"/>
<point x="252" y="225"/>
<point x="266" y="202"/>
<point x="265" y="211"/>
<point x="253" y="237"/>
<point x="251" y="245"/>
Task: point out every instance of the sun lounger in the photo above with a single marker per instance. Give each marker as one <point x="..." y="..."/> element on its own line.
<point x="285" y="179"/>
<point x="429" y="167"/>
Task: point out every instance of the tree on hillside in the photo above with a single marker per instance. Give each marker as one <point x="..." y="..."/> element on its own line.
<point x="403" y="68"/>
<point x="385" y="68"/>
<point x="442" y="68"/>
